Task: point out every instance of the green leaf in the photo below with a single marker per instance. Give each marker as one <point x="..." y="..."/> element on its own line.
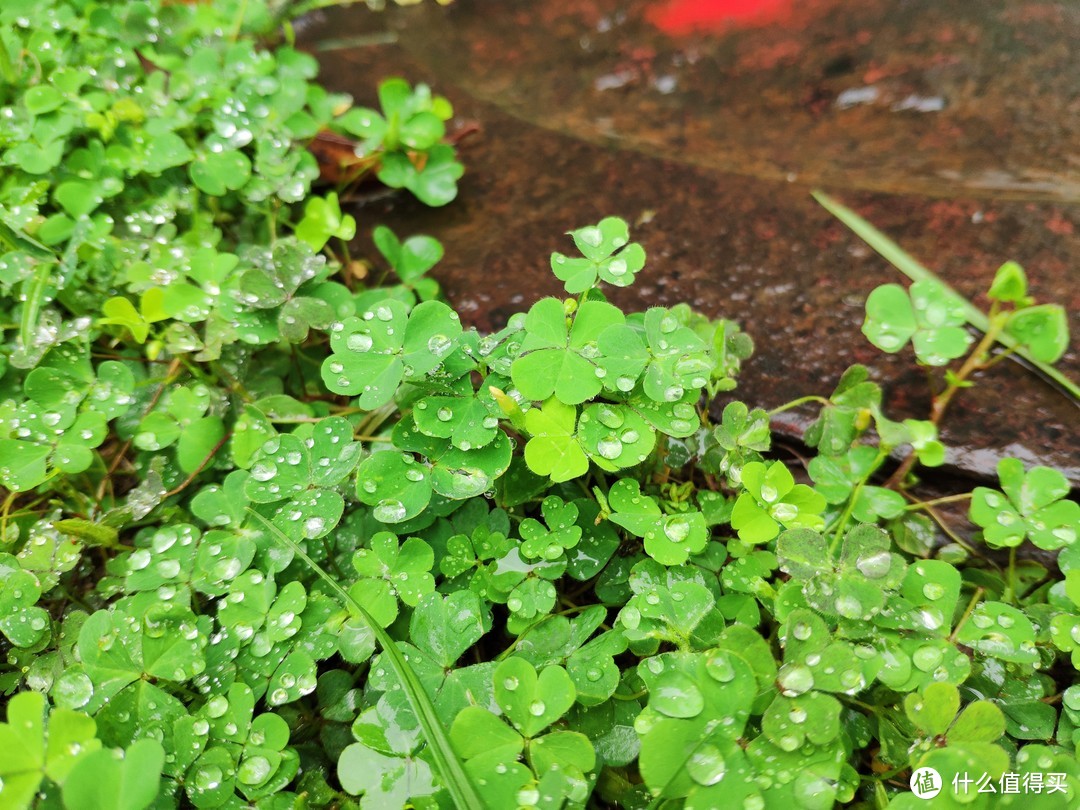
<point x="1001" y="631"/>
<point x="1009" y="285"/>
<point x="555" y="359"/>
<point x="166" y="151"/>
<point x="374" y="353"/>
<point x="608" y="255"/>
<point x="669" y="539"/>
<point x="217" y="173"/>
<point x="476" y="732"/>
<point x="916" y="272"/>
<point x="1043" y="330"/>
<point x="24" y="464"/>
<point x="395" y="485"/>
<point x="927" y="315"/>
<point x="449" y="767"/>
<point x="105" y="780"/>
<point x="40" y="743"/>
<point x="446" y="626"/>
<point x="553" y="449"/>
<point x="933" y="710"/>
<point x="772" y="499"/>
<point x="322" y="220"/>
<point x="614" y="436"/>
<point x="1034" y="505"/>
<point x="410" y="259"/>
<point x="532" y="701"/>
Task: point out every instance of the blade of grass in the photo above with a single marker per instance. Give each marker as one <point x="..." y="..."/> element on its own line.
<point x="911" y="268"/>
<point x="457" y="782"/>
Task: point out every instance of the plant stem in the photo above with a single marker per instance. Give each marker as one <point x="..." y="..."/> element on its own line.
<point x="202" y="465"/>
<point x="975" y="361"/>
<point x="795" y="403"/>
<point x="846" y="516"/>
<point x="1012" y="592"/>
<point x="967" y="613"/>
<point x="963" y="496"/>
<point x="7" y="67"/>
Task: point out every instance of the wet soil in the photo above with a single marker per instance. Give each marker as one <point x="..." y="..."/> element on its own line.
<point x="711" y="140"/>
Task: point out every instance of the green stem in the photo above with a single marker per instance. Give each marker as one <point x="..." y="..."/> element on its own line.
<point x="963" y="496"/>
<point x="795" y="403"/>
<point x="846" y="516"/>
<point x="967" y="613"/>
<point x="1012" y="594"/>
<point x="461" y="789"/>
<point x="975" y="361"/>
<point x="7" y="67"/>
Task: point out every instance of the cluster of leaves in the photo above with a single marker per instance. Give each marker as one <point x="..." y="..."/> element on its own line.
<point x="273" y="538"/>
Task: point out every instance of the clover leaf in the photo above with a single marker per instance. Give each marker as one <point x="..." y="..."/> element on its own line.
<point x="411" y="259"/>
<point x="434" y="181"/>
<point x="857" y="584"/>
<point x="815" y="659"/>
<point x="390" y="572"/>
<point x="561" y="532"/>
<point x="669" y="539"/>
<point x="668" y="604"/>
<point x="395" y="485"/>
<point x="40" y="743"/>
<point x="849" y="410"/>
<point x="999" y="630"/>
<point x="741" y="428"/>
<point x="373" y="353"/>
<point x="838" y="479"/>
<point x="608" y="255"/>
<point x="614" y="436"/>
<point x="791" y="721"/>
<point x="927" y="315"/>
<point x="671" y="356"/>
<point x="21" y="620"/>
<point x="445" y="626"/>
<point x="111" y="780"/>
<point x="554" y="449"/>
<point x="468" y="421"/>
<point x="1033" y="504"/>
<point x="117" y="649"/>
<point x="772" y="499"/>
<point x="530" y="700"/>
<point x="558" y="360"/>
<point x="682" y="753"/>
<point x="1043" y="329"/>
<point x="219" y="172"/>
<point x="455" y="473"/>
<point x="322" y="220"/>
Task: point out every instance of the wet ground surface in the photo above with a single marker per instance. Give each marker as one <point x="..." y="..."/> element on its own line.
<point x="954" y="127"/>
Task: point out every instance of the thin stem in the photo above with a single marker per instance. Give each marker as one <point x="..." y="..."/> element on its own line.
<point x="202" y="465"/>
<point x="1012" y="594"/>
<point x="795" y="403"/>
<point x="967" y="613"/>
<point x="963" y="496"/>
<point x="976" y="361"/>
<point x="853" y="499"/>
<point x="170" y="374"/>
<point x="7" y="67"/>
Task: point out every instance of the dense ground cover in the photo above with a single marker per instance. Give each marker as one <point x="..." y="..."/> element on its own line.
<point x="280" y="531"/>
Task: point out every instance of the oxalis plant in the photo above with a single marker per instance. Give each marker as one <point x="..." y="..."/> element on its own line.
<point x="274" y="536"/>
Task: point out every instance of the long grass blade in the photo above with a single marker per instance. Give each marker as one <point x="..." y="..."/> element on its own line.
<point x="911" y="268"/>
<point x="457" y="782"/>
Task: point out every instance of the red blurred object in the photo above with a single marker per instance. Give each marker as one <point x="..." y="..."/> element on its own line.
<point x="685" y="16"/>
